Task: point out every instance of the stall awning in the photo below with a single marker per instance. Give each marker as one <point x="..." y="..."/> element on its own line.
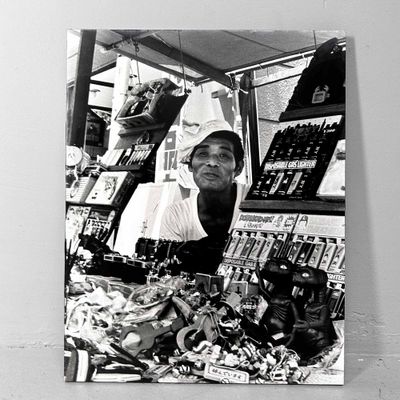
<point x="205" y="54"/>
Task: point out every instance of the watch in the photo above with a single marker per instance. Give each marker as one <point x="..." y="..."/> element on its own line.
<point x="74" y="156"/>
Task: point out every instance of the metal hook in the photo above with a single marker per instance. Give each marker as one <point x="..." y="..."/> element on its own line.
<point x="137" y="49"/>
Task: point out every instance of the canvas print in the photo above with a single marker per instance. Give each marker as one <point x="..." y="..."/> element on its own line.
<point x="205" y="206"/>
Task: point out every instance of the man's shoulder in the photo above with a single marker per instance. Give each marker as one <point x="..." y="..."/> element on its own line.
<point x="181" y="205"/>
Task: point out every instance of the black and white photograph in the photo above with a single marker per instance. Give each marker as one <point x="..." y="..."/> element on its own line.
<point x="205" y="206"/>
<point x="200" y="196"/>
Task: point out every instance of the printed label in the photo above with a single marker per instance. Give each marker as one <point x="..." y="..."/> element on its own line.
<point x="295" y="164"/>
<point x="320" y="225"/>
<point x="143" y="147"/>
<point x="266" y="222"/>
<point x="336" y="278"/>
<point x="239" y="263"/>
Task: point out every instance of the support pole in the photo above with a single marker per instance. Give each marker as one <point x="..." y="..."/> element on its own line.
<point x="238" y="128"/>
<point x="253" y="131"/>
<point x="120" y="94"/>
<point x="80" y="96"/>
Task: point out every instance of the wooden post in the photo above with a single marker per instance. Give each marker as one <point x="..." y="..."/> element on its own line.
<point x="253" y="131"/>
<point x="120" y="94"/>
<point x="80" y="96"/>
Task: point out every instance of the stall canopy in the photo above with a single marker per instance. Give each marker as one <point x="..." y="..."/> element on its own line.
<point x="200" y="55"/>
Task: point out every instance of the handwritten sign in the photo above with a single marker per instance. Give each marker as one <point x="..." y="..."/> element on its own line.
<point x="225" y="375"/>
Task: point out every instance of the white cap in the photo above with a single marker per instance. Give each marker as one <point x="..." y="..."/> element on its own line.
<point x="191" y="140"/>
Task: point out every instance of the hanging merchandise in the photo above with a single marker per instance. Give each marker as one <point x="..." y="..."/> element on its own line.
<point x="323" y="81"/>
<point x="150" y="103"/>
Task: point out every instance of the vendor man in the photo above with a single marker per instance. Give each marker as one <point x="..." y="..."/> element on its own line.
<point x="216" y="159"/>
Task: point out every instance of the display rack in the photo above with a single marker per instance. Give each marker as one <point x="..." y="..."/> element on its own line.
<point x="304" y="206"/>
<point x="325" y="219"/>
<point x="312" y="112"/>
<point x="142" y="172"/>
<point x="124" y="132"/>
<point x="311" y="206"/>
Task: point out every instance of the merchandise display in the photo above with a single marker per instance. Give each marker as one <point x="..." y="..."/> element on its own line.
<point x="110" y="188"/>
<point x="260" y="303"/>
<point x="99" y="223"/>
<point x="255" y="238"/>
<point x="80" y="189"/>
<point x="149" y="103"/>
<point x="75" y="222"/>
<point x="318" y="241"/>
<point x="171" y="331"/>
<point x="323" y="81"/>
<point x="297" y="159"/>
<point x="136" y="155"/>
<point x="333" y="183"/>
<point x="265" y="317"/>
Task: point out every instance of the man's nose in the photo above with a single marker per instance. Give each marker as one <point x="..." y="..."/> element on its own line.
<point x="213" y="161"/>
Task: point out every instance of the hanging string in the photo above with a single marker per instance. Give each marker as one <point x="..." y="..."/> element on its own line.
<point x="183" y="67"/>
<point x="136" y="44"/>
<point x="315" y="40"/>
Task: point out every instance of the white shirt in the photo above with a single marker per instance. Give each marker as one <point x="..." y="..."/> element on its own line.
<point x="181" y="220"/>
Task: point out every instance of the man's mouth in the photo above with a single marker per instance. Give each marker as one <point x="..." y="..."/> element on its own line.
<point x="210" y="175"/>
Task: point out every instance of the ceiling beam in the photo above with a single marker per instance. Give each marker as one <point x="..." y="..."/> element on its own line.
<point x="274" y="60"/>
<point x="128" y="36"/>
<point x="190" y="62"/>
<point x="142" y="60"/>
<point x="132" y="56"/>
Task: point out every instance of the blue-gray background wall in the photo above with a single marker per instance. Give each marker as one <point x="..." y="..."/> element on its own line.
<point x="32" y="115"/>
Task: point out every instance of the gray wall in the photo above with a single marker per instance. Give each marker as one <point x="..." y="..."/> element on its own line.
<point x="32" y="109"/>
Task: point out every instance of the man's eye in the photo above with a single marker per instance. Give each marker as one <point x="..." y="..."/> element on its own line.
<point x="202" y="154"/>
<point x="225" y="156"/>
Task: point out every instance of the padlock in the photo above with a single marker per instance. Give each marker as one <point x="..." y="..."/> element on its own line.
<point x="320" y="95"/>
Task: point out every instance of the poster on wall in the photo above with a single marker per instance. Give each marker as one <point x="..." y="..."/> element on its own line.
<point x="235" y="271"/>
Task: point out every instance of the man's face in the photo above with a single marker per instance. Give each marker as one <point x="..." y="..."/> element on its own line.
<point x="213" y="164"/>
